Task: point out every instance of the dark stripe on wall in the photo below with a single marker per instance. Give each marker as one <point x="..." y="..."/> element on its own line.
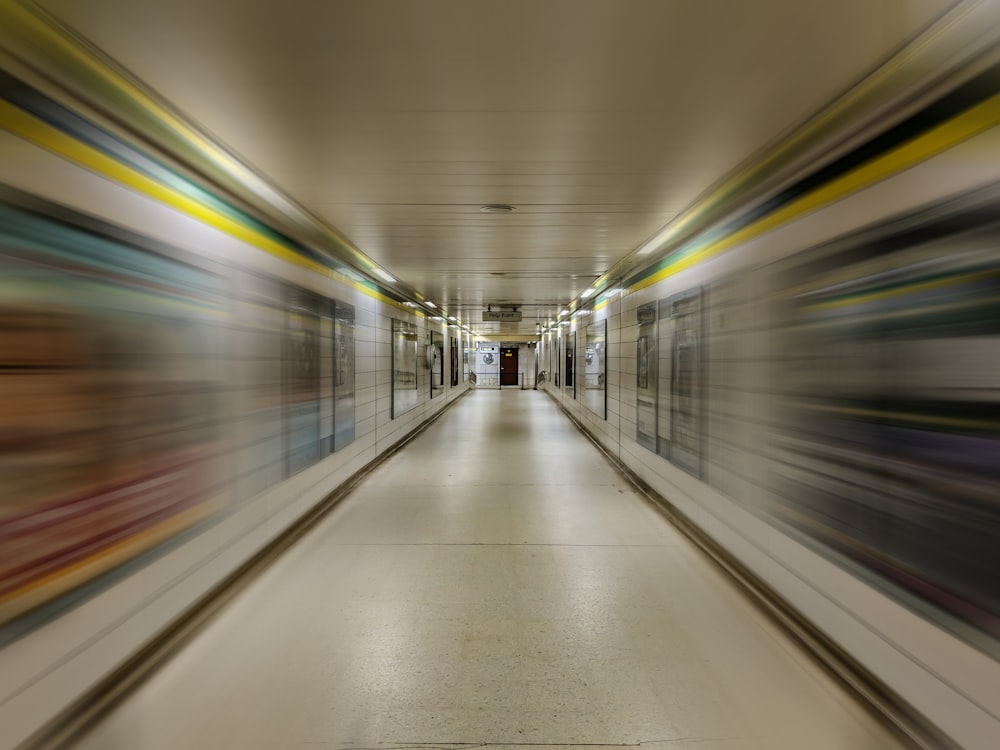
<point x="972" y="93"/>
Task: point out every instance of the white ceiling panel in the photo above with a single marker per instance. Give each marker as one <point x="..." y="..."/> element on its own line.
<point x="600" y="120"/>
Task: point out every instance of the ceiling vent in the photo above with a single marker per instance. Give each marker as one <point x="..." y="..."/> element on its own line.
<point x="497" y="208"/>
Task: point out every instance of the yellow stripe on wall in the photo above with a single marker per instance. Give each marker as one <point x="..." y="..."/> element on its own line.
<point x="40" y="133"/>
<point x="972" y="122"/>
<point x="31" y="31"/>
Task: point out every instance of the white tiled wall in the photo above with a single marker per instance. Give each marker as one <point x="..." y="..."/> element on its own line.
<point x="59" y="659"/>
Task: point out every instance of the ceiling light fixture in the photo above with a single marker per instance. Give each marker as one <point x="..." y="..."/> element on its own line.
<point x="452" y="317"/>
<point x="497" y="208"/>
<point x="564" y="312"/>
<point x="587" y="292"/>
<point x="351" y="274"/>
<point x="384" y="275"/>
<point x="430" y="304"/>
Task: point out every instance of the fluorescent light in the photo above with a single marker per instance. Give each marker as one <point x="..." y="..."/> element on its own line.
<point x="587" y="292"/>
<point x="430" y="304"/>
<point x="352" y="274"/>
<point x="612" y="292"/>
<point x="564" y="312"/>
<point x="452" y="317"/>
<point x="383" y="275"/>
<point x="410" y="304"/>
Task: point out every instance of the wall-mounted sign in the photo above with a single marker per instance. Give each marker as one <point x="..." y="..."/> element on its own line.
<point x="503" y="316"/>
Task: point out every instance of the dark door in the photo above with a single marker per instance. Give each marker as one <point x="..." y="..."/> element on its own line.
<point x="508" y="365"/>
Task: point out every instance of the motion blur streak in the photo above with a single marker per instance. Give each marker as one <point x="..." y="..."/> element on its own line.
<point x="808" y="368"/>
<point x="109" y="411"/>
<point x="890" y="351"/>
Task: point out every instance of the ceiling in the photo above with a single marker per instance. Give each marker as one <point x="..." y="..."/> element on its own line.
<point x="600" y="121"/>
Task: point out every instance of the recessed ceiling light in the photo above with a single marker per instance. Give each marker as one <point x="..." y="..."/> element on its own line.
<point x="497" y="208"/>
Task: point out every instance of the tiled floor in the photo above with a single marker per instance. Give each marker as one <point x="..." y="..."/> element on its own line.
<point x="497" y="582"/>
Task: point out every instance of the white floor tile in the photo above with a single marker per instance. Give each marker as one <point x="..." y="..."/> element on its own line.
<point x="495" y="582"/>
